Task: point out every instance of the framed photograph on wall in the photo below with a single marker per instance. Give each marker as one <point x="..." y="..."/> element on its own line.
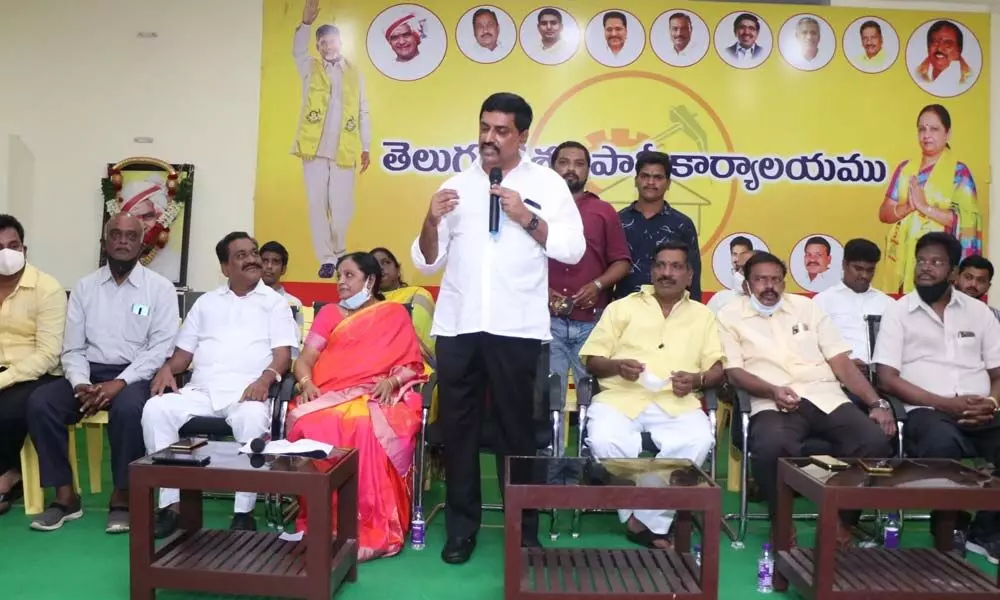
<point x="158" y="194"/>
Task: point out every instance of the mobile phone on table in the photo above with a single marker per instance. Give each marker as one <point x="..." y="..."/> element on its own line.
<point x="828" y="462"/>
<point x="187" y="444"/>
<point x="182" y="459"/>
<point x="876" y="467"/>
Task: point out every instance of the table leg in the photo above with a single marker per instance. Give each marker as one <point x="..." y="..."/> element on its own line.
<point x="191" y="507"/>
<point x="512" y="546"/>
<point x="944" y="528"/>
<point x="781" y="527"/>
<point x="682" y="531"/>
<point x="140" y="541"/>
<point x="710" y="534"/>
<point x="319" y="549"/>
<point x="825" y="565"/>
<point x="347" y="518"/>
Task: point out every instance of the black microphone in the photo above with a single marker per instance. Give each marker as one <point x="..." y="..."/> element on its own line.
<point x="257" y="445"/>
<point x="496" y="176"/>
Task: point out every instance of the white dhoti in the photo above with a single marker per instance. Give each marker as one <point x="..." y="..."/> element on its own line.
<point x="163" y="416"/>
<point x="611" y="434"/>
<point x="330" y="190"/>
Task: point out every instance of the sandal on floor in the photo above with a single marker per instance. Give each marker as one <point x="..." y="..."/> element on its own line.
<point x="7" y="499"/>
<point x="118" y="520"/>
<point x="647" y="538"/>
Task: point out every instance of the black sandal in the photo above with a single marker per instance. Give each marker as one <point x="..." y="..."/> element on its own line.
<point x="647" y="538"/>
<point x="7" y="499"/>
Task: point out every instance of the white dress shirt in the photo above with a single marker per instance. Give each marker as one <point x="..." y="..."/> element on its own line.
<point x="948" y="82"/>
<point x="721" y="298"/>
<point x="947" y="358"/>
<point x="500" y="286"/>
<point x="232" y="338"/>
<point x="823" y="281"/>
<point x="132" y="324"/>
<point x="847" y="310"/>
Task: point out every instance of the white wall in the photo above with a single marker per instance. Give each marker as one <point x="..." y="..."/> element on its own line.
<point x="77" y="85"/>
<point x="17" y="178"/>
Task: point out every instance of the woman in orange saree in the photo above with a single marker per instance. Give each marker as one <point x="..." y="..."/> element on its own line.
<point x="358" y="367"/>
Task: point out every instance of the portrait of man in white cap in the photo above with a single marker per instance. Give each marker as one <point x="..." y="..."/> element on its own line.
<point x="147" y="200"/>
<point x="333" y="138"/>
<point x="406" y="42"/>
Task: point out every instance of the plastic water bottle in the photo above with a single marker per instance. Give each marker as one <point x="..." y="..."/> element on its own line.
<point x="697" y="555"/>
<point x="417" y="529"/>
<point x="765" y="570"/>
<point x="890" y="535"/>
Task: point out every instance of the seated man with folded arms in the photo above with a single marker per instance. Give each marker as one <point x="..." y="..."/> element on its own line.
<point x="975" y="275"/>
<point x="238" y="339"/>
<point x="120" y="327"/>
<point x="652" y="352"/>
<point x="786" y="353"/>
<point x="938" y="351"/>
<point x="33" y="306"/>
<point x="848" y="303"/>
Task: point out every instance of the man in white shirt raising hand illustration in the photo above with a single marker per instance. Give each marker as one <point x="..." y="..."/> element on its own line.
<point x="492" y="312"/>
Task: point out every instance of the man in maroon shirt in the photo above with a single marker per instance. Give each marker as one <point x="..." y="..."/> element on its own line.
<point x="578" y="293"/>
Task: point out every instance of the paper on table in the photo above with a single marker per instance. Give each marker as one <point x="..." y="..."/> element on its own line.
<point x="296" y="447"/>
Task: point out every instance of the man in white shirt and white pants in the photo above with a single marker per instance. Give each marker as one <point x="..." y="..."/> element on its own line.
<point x="239" y="339"/>
<point x="850" y="301"/>
<point x="492" y="312"/>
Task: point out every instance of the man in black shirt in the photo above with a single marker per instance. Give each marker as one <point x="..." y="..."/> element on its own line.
<point x="651" y="221"/>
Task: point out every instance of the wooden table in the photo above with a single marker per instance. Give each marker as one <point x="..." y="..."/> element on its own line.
<point x="246" y="562"/>
<point x="584" y="483"/>
<point x="903" y="574"/>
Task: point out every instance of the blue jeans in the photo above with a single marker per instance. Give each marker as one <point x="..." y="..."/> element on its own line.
<point x="568" y="337"/>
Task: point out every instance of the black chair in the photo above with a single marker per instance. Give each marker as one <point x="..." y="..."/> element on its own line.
<point x="187" y="301"/>
<point x="549" y="409"/>
<point x="589" y="387"/>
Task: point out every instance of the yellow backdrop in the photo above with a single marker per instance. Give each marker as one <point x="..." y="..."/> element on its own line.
<point x="730" y="130"/>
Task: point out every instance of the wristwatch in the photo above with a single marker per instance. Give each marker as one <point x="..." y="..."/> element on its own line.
<point x="532" y="224"/>
<point x="597" y="282"/>
<point x="883" y="404"/>
<point x="277" y="375"/>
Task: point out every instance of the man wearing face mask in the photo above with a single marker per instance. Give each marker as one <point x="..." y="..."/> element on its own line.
<point x="578" y="293"/>
<point x="787" y="354"/>
<point x="34" y="308"/>
<point x="938" y="350"/>
<point x="653" y="352"/>
<point x="238" y="339"/>
<point x="120" y="327"/>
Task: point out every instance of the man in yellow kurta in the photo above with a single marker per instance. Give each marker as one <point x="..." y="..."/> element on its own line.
<point x="334" y="132"/>
<point x="652" y="352"/>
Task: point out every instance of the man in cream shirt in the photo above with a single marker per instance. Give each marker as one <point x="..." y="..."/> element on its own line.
<point x="651" y="380"/>
<point x="786" y="353"/>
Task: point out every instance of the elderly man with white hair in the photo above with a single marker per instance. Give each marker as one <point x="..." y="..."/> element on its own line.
<point x="147" y="200"/>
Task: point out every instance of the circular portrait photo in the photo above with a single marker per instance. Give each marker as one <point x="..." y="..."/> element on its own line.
<point x="615" y="38"/>
<point x="486" y="34"/>
<point x="944" y="58"/>
<point x="871" y="44"/>
<point x="816" y="262"/>
<point x="807" y="42"/>
<point x="743" y="40"/>
<point x="406" y="42"/>
<point x="679" y="38"/>
<point x="550" y="36"/>
<point x="729" y="256"/>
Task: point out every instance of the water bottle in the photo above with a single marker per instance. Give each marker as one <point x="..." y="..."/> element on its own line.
<point x="765" y="570"/>
<point x="697" y="555"/>
<point x="417" y="529"/>
<point x="890" y="535"/>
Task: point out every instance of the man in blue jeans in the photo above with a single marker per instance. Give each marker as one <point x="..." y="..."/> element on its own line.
<point x="578" y="293"/>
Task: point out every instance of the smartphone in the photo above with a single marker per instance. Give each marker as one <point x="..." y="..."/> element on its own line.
<point x="187" y="444"/>
<point x="828" y="462"/>
<point x="182" y="459"/>
<point x="876" y="467"/>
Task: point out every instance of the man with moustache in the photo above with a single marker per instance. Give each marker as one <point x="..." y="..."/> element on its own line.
<point x="746" y="50"/>
<point x="333" y="138"/>
<point x="615" y="35"/>
<point x="873" y="59"/>
<point x="486" y="29"/>
<point x="120" y="327"/>
<point x="651" y="221"/>
<point x="816" y="258"/>
<point x="237" y="339"/>
<point x="653" y="352"/>
<point x="578" y="293"/>
<point x="944" y="72"/>
<point x="807" y="34"/>
<point x="492" y="312"/>
<point x="787" y="354"/>
<point x="682" y="51"/>
<point x="975" y="275"/>
<point x="938" y="351"/>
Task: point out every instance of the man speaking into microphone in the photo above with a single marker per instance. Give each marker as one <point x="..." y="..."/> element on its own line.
<point x="492" y="311"/>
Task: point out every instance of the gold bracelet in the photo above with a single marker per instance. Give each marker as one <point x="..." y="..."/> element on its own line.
<point x="996" y="405"/>
<point x="305" y="379"/>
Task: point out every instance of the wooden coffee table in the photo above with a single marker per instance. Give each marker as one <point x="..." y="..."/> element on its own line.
<point x="246" y="562"/>
<point x="904" y="574"/>
<point x="585" y="483"/>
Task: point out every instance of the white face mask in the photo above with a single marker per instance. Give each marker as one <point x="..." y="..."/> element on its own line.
<point x="762" y="308"/>
<point x="738" y="280"/>
<point x="355" y="301"/>
<point x="11" y="261"/>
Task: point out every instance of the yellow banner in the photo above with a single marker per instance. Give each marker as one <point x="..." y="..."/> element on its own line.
<point x="784" y="123"/>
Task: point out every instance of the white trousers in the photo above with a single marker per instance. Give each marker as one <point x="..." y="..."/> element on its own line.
<point x="163" y="416"/>
<point x="330" y="190"/>
<point x="611" y="434"/>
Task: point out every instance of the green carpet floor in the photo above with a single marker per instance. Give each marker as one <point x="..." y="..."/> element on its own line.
<point x="81" y="561"/>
